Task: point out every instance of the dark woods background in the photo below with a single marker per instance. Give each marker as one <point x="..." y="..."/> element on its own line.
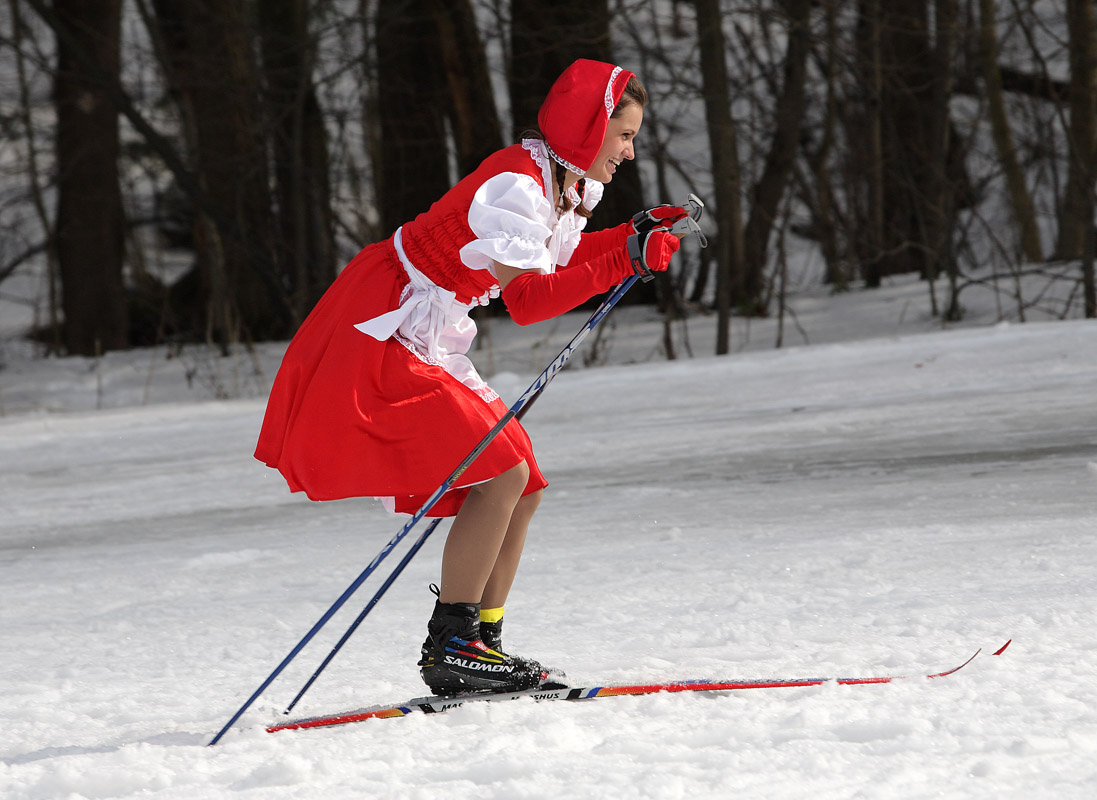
<point x="199" y="170"/>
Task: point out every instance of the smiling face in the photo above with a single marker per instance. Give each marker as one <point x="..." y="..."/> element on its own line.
<point x="618" y="144"/>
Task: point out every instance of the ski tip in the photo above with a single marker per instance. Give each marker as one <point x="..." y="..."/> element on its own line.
<point x="1002" y="649"/>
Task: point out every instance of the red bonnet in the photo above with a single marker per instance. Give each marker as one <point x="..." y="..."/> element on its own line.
<point x="576" y="112"/>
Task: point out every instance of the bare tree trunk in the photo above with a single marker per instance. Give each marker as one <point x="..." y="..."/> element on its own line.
<point x="34" y="178"/>
<point x="1089" y="274"/>
<point x="725" y="165"/>
<point x="824" y="205"/>
<point x="941" y="208"/>
<point x="432" y="83"/>
<point x="1020" y="200"/>
<point x="475" y="122"/>
<point x="871" y="247"/>
<point x="414" y="169"/>
<point x="1076" y="214"/>
<point x="370" y="227"/>
<point x="188" y="180"/>
<point x="212" y="71"/>
<point x="907" y="116"/>
<point x="300" y="151"/>
<point x="771" y="185"/>
<point x="89" y="229"/>
<point x="1083" y="109"/>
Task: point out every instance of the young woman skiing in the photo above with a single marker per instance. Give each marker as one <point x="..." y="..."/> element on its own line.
<point x="375" y="396"/>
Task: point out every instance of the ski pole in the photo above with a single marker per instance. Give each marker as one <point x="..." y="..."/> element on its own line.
<point x="527" y="398"/>
<point x="350" y="590"/>
<point x="365" y="611"/>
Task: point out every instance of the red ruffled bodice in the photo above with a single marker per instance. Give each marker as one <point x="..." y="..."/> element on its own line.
<point x="433" y="240"/>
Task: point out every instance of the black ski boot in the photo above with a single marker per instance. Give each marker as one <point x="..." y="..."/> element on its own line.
<point x="455" y="659"/>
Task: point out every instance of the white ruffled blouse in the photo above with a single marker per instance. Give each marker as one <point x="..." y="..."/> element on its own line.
<point x="515" y="224"/>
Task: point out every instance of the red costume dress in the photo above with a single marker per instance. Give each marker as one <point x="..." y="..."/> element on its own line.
<point x="375" y="396"/>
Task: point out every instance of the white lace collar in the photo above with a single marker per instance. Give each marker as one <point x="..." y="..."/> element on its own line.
<point x="538" y="151"/>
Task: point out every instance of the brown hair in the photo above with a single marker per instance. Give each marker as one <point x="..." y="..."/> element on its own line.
<point x="634" y="93"/>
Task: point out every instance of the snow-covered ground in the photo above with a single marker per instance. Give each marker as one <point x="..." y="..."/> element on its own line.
<point x="862" y="506"/>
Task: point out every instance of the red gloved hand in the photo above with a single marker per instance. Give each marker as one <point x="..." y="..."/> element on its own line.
<point x="651" y="252"/>
<point x="679" y="220"/>
<point x="663" y="216"/>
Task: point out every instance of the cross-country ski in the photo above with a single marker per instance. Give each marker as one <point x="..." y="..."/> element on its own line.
<point x="437" y="704"/>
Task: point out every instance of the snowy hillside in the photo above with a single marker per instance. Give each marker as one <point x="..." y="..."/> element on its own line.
<point x="881" y="505"/>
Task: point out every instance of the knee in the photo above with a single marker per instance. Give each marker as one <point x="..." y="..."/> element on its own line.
<point x="510" y="483"/>
<point x="528" y="504"/>
<point x="521" y="472"/>
<point x="515" y="478"/>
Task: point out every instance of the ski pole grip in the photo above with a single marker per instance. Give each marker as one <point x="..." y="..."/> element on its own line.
<point x="689" y="224"/>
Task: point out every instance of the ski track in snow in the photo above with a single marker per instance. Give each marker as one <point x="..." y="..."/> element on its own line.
<point x="876" y="507"/>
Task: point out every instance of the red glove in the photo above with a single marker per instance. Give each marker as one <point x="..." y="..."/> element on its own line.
<point x="651" y="251"/>
<point x="534" y="297"/>
<point x="663" y="216"/>
<point x="679" y="220"/>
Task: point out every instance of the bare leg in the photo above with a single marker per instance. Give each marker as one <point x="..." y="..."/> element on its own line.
<point x="477" y="535"/>
<point x="506" y="564"/>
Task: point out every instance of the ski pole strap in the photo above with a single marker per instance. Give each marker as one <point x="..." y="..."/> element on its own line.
<point x="636" y="256"/>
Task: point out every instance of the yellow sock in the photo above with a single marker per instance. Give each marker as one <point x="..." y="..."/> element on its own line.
<point x="491" y="614"/>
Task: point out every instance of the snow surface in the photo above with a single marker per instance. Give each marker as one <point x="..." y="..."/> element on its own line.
<point x="881" y="505"/>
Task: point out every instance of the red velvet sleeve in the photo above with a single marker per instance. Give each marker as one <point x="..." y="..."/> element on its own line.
<point x="593" y="245"/>
<point x="533" y="296"/>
